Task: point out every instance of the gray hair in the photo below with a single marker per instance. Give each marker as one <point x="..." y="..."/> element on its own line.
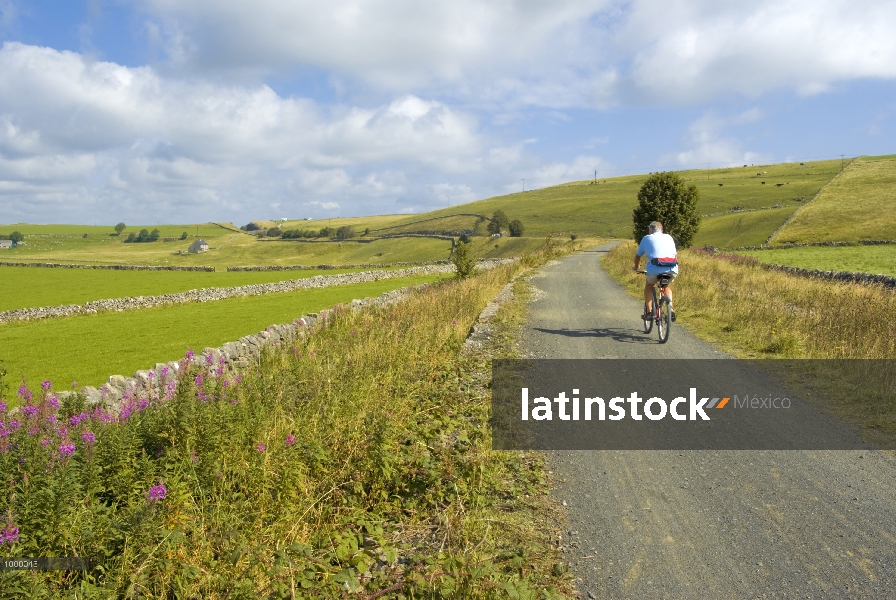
<point x="655" y="226"/>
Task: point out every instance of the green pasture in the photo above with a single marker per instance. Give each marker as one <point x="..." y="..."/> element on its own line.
<point x="90" y="348"/>
<point x="858" y="205"/>
<point x="733" y="230"/>
<point x="605" y="209"/>
<point x="446" y="223"/>
<point x="359" y="223"/>
<point x="30" y="287"/>
<point x="877" y="260"/>
<point x="227" y="249"/>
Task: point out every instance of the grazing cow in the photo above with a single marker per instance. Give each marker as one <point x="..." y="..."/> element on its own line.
<point x="720" y="185"/>
<point x="778" y="184"/>
<point x="763" y="183"/>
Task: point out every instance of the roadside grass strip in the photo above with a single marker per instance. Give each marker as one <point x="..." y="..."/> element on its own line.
<point x="752" y="312"/>
<point x="90" y="348"/>
<point x="216" y="294"/>
<point x="354" y="458"/>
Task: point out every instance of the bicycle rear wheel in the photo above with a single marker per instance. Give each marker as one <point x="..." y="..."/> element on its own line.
<point x="664" y="324"/>
<point x="648" y="323"/>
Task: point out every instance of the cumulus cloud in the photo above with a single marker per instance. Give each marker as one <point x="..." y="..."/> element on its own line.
<point x="130" y="136"/>
<point x="709" y="144"/>
<point x="596" y="53"/>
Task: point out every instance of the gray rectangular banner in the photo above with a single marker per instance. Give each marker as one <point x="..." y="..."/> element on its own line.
<point x="688" y="404"/>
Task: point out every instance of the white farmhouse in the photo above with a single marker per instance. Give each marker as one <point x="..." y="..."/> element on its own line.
<point x="5" y="244"/>
<point x="198" y="246"/>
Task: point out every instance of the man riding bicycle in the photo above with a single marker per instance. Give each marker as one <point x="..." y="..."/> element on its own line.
<point x="662" y="257"/>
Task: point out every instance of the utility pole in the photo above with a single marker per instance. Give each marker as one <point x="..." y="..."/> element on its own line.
<point x="595" y="176"/>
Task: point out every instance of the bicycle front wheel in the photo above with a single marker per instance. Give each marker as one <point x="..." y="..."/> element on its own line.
<point x="664" y="324"/>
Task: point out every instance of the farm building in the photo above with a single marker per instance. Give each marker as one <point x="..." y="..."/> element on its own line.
<point x="198" y="246"/>
<point x="5" y="244"/>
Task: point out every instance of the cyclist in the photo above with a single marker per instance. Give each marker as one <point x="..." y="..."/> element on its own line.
<point x="662" y="257"/>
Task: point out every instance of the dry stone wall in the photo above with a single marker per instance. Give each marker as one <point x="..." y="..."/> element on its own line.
<point x="844" y="276"/>
<point x="107" y="267"/>
<point x="325" y="267"/>
<point x="213" y="294"/>
<point x="121" y="391"/>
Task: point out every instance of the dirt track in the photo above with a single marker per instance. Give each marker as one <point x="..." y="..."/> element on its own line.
<point x="704" y="524"/>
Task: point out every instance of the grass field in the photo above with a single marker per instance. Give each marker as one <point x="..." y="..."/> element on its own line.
<point x="90" y="348"/>
<point x="225" y="249"/>
<point x="742" y="228"/>
<point x="858" y="205"/>
<point x="29" y="287"/>
<point x="877" y="260"/>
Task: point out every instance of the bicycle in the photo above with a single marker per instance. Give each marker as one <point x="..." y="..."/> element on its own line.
<point x="662" y="311"/>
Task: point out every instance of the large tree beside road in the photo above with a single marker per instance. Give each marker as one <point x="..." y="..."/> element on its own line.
<point x="665" y="197"/>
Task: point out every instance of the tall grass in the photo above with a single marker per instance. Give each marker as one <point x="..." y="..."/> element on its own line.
<point x="755" y="312"/>
<point x="354" y="457"/>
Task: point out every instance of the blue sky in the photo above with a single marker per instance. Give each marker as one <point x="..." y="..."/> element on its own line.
<point x="171" y="111"/>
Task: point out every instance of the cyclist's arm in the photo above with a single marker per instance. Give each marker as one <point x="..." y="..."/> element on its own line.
<point x="637" y="262"/>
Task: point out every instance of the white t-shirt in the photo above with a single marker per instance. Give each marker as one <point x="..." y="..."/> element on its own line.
<point x="658" y="246"/>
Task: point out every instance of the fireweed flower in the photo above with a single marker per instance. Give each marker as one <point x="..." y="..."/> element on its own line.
<point x="74" y="384"/>
<point x="260" y="447"/>
<point x="3" y="406"/>
<point x="88" y="438"/>
<point x="53" y="401"/>
<point x="290" y="440"/>
<point x="10" y="532"/>
<point x="29" y="411"/>
<point x="62" y="432"/>
<point x="51" y="420"/>
<point x="156" y="493"/>
<point x="46" y="385"/>
<point x="67" y="449"/>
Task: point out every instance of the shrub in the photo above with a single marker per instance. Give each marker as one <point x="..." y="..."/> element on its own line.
<point x="251" y="227"/>
<point x="183" y="236"/>
<point x="516" y="228"/>
<point x="460" y="258"/>
<point x="345" y="232"/>
<point x="119" y="228"/>
<point x="664" y="197"/>
<point x="326" y="232"/>
<point x="273" y="232"/>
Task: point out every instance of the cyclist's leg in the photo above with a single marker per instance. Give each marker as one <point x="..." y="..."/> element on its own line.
<point x="648" y="296"/>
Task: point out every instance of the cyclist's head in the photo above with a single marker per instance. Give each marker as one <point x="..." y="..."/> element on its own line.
<point x="655" y="226"/>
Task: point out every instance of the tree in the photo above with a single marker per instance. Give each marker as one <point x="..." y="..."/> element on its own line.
<point x="664" y="197"/>
<point x="516" y="228"/>
<point x="326" y="232"/>
<point x="131" y="238"/>
<point x="183" y="236"/>
<point x="252" y="226"/>
<point x="498" y="223"/>
<point x="119" y="228"/>
<point x="16" y="237"/>
<point x="460" y="258"/>
<point x="345" y="232"/>
<point x="155" y="235"/>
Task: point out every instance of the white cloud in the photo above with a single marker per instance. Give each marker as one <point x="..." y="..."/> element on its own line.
<point x="568" y="53"/>
<point x="133" y="138"/>
<point x="709" y="146"/>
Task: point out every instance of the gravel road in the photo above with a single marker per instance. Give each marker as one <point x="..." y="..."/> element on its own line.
<point x="703" y="524"/>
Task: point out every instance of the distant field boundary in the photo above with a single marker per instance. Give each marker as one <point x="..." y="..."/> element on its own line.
<point x="108" y="267"/>
<point x="326" y="267"/>
<point x="821" y="244"/>
<point x="430" y="219"/>
<point x="840" y="276"/>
